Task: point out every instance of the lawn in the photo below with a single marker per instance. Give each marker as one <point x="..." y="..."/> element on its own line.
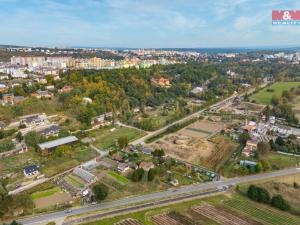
<point x="45" y="193"/>
<point x="280" y="161"/>
<point x="106" y="138"/>
<point x="264" y="97"/>
<point x="49" y="165"/>
<point x="118" y="177"/>
<point x="260" y="212"/>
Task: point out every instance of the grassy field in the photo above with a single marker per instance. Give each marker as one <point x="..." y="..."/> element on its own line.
<point x="260" y="212"/>
<point x="280" y="161"/>
<point x="118" y="177"/>
<point x="105" y="138"/>
<point x="264" y="97"/>
<point x="45" y="193"/>
<point x="49" y="165"/>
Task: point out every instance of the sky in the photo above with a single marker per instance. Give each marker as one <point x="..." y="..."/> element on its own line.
<point x="145" y="23"/>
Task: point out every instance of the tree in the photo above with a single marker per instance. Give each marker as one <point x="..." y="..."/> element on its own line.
<point x="263" y="148"/>
<point x="279" y="202"/>
<point x="62" y="150"/>
<point x="151" y="174"/>
<point x="279" y="141"/>
<point x="123" y="142"/>
<point x="100" y="191"/>
<point x="19" y="136"/>
<point x="275" y="100"/>
<point x="137" y="175"/>
<point x="259" y="167"/>
<point x="158" y="153"/>
<point x="243" y="138"/>
<point x="33" y="138"/>
<point x="258" y="194"/>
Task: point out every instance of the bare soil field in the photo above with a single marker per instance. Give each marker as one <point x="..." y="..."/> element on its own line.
<point x="128" y="221"/>
<point x="221" y="216"/>
<point x="57" y="198"/>
<point x="172" y="218"/>
<point x="186" y="148"/>
<point x="191" y="145"/>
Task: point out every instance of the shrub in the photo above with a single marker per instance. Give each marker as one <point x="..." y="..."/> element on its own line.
<point x="279" y="202"/>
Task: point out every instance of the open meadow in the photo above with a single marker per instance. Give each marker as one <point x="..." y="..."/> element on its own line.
<point x="264" y="96"/>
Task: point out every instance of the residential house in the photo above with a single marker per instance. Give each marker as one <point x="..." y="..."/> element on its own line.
<point x="197" y="90"/>
<point x="123" y="167"/>
<point x="66" y="89"/>
<point x="163" y="82"/>
<point x="51" y="130"/>
<point x="116" y="156"/>
<point x="3" y="87"/>
<point x="8" y="99"/>
<point x="43" y="94"/>
<point x="32" y="121"/>
<point x="146" y="165"/>
<point x="18" y="99"/>
<point x="31" y="170"/>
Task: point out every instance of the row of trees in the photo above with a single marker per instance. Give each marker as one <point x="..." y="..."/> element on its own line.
<point x="260" y="194"/>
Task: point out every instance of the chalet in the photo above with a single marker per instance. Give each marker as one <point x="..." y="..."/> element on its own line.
<point x="146" y="166"/>
<point x="43" y="94"/>
<point x="8" y="99"/>
<point x="3" y="87"/>
<point x="164" y="82"/>
<point x="116" y="156"/>
<point x="31" y="170"/>
<point x="51" y="145"/>
<point x="197" y="90"/>
<point x="66" y="89"/>
<point x="123" y="167"/>
<point x="102" y="120"/>
<point x="249" y="126"/>
<point x="18" y="99"/>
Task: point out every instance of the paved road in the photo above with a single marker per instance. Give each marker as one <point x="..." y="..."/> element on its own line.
<point x="196" y="114"/>
<point x="159" y="195"/>
<point x="143" y="206"/>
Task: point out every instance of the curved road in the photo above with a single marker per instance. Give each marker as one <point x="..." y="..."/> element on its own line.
<point x="171" y="193"/>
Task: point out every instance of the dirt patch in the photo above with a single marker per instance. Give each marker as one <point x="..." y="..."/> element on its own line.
<point x="221" y="216"/>
<point x="186" y="148"/>
<point x="190" y="143"/>
<point x="57" y="198"/>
